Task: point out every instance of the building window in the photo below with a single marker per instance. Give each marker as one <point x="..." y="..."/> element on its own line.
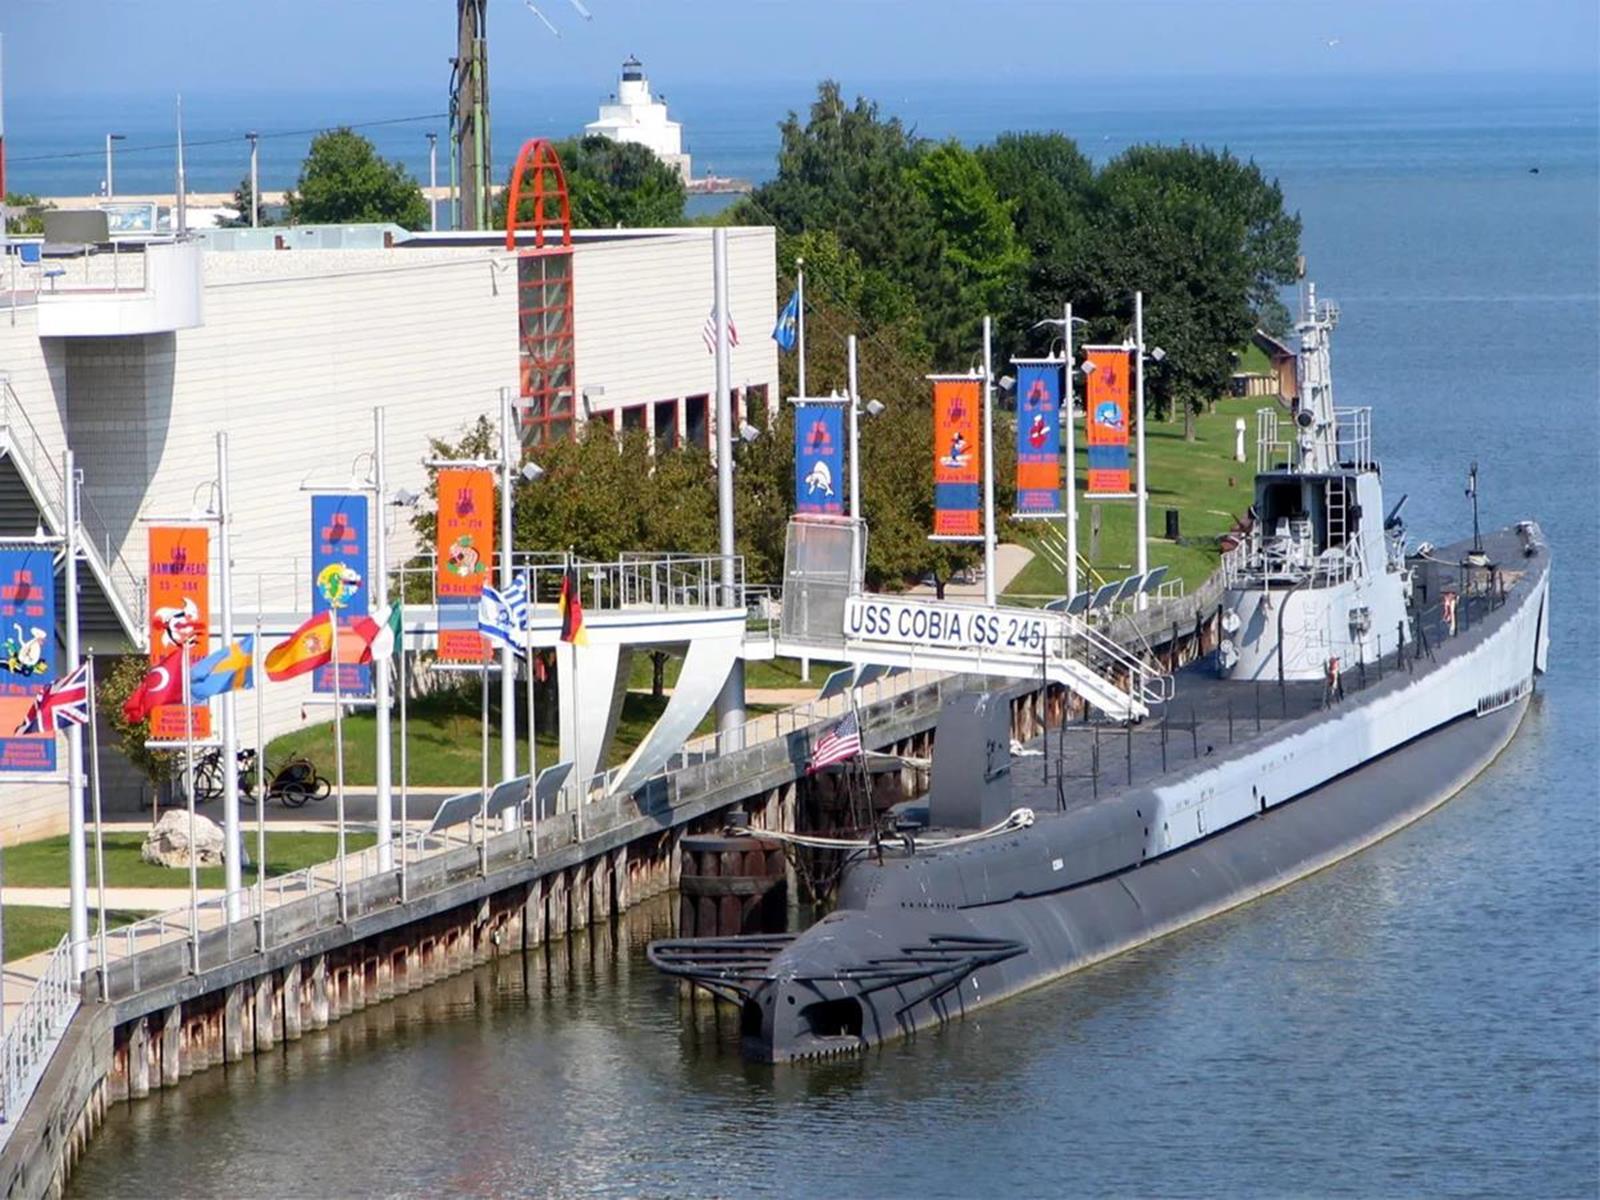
<point x="666" y="425"/>
<point x="545" y="345"/>
<point x="696" y="429"/>
<point x="635" y="416"/>
<point x="735" y="407"/>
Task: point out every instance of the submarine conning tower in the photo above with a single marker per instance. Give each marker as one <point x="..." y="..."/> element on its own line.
<point x="1317" y="583"/>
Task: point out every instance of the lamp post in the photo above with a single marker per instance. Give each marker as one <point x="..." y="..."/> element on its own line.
<point x="111" y="186"/>
<point x="1067" y="321"/>
<point x="988" y="463"/>
<point x="433" y="182"/>
<point x="255" y="181"/>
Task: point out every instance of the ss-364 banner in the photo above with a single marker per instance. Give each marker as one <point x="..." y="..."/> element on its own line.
<point x="957" y="452"/>
<point x="1038" y="438"/>
<point x="1106" y="418"/>
<point x="935" y="626"/>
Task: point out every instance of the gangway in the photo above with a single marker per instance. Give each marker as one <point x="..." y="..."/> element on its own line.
<point x="828" y="613"/>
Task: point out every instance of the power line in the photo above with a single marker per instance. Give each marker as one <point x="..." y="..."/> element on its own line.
<point x="190" y="143"/>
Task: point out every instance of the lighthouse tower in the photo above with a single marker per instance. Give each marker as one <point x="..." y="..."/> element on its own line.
<point x="638" y="117"/>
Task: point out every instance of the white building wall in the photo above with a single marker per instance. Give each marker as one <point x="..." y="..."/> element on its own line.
<point x="298" y="346"/>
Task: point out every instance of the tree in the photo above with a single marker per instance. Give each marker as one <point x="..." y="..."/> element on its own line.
<point x="611" y="184"/>
<point x="113" y="685"/>
<point x="344" y="180"/>
<point x="25" y="212"/>
<point x="241" y="205"/>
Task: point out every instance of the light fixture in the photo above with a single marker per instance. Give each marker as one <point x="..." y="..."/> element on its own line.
<point x="1007" y="383"/>
<point x="874" y="407"/>
<point x="532" y="471"/>
<point x="748" y="432"/>
<point x="1088" y="367"/>
<point x="404" y="498"/>
<point x="1157" y="354"/>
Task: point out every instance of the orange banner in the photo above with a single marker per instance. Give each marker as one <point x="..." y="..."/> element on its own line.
<point x="464" y="543"/>
<point x="1106" y="419"/>
<point x="180" y="608"/>
<point x="957" y="437"/>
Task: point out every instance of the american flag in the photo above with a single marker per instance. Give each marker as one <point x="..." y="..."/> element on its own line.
<point x="839" y="743"/>
<point x="62" y="703"/>
<point x="708" y="334"/>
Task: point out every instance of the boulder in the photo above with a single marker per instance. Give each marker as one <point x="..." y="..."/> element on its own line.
<point x="167" y="845"/>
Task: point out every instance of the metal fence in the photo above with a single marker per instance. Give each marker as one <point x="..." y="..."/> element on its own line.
<point x="31" y="1037"/>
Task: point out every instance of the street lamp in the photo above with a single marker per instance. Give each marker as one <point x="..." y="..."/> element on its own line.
<point x="255" y="182"/>
<point x="1065" y="322"/>
<point x="433" y="182"/>
<point x="111" y="187"/>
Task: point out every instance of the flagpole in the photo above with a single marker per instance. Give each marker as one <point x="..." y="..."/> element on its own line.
<point x="405" y="775"/>
<point x="232" y="878"/>
<point x="188" y="787"/>
<point x="508" y="654"/>
<point x="483" y="791"/>
<point x="258" y="682"/>
<point x="380" y="670"/>
<point x="338" y="758"/>
<point x="99" y="838"/>
<point x="800" y="325"/>
<point x="533" y="721"/>
<point x="77" y="867"/>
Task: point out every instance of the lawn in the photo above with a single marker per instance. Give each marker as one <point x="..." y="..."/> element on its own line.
<point x="30" y="928"/>
<point x="44" y="863"/>
<point x="761" y="673"/>
<point x="445" y="736"/>
<point x="1200" y="479"/>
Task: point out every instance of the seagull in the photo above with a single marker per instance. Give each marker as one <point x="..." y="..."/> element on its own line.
<point x="582" y="11"/>
<point x="1332" y="42"/>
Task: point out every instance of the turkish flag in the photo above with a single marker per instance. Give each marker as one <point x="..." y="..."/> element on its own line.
<point x="163" y="684"/>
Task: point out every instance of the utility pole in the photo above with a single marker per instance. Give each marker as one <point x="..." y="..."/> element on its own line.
<point x="255" y="181"/>
<point x="469" y="108"/>
<point x="730" y="701"/>
<point x="181" y="210"/>
<point x="111" y="187"/>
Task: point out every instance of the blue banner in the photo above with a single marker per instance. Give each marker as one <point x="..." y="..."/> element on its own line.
<point x="819" y="459"/>
<point x="1038" y="439"/>
<point x="340" y="541"/>
<point x="27" y="654"/>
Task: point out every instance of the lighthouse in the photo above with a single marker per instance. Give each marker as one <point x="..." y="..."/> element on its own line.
<point x="636" y="116"/>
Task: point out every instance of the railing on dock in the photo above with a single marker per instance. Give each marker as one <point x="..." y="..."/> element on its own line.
<point x="31" y="1036"/>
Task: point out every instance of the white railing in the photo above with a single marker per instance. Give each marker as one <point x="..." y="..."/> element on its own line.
<point x="32" y="1035"/>
<point x="1277" y="448"/>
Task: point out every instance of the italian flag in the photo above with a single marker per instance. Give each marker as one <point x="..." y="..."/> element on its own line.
<point x="380" y="632"/>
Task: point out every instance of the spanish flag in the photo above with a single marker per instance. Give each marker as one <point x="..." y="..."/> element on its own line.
<point x="306" y="649"/>
<point x="572" y="629"/>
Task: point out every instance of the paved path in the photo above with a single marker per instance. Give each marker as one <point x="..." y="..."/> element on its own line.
<point x="1009" y="559"/>
<point x="136" y="899"/>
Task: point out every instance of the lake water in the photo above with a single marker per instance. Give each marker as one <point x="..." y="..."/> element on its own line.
<point x="1421" y="1020"/>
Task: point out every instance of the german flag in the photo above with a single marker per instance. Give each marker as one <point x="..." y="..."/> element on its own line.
<point x="572" y="629"/>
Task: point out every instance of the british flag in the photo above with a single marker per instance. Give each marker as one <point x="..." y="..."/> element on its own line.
<point x="62" y="703"/>
<point x="836" y="745"/>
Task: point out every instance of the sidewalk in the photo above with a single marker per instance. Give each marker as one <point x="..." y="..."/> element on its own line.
<point x="136" y="899"/>
<point x="1009" y="559"/>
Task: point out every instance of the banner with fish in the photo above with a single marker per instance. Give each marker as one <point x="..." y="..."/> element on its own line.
<point x="464" y="542"/>
<point x="1106" y="421"/>
<point x="180" y="608"/>
<point x="819" y="459"/>
<point x="28" y="659"/>
<point x="340" y="543"/>
<point x="1038" y="437"/>
<point x="957" y="451"/>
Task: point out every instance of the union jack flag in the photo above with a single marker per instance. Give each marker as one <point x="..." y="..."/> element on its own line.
<point x="841" y="742"/>
<point x="62" y="703"/>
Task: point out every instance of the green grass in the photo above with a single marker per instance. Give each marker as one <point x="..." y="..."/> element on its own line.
<point x="44" y="863"/>
<point x="31" y="929"/>
<point x="768" y="673"/>
<point x="445" y="738"/>
<point x="1253" y="360"/>
<point x="1199" y="478"/>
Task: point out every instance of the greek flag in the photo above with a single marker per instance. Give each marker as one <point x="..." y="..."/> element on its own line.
<point x="787" y="331"/>
<point x="503" y="616"/>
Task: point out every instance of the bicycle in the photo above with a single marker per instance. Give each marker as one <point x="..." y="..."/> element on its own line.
<point x="294" y="781"/>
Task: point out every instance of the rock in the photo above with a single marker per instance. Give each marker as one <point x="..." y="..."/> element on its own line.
<point x="167" y="845"/>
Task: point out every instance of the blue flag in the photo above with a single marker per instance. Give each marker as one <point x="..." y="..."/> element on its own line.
<point x="787" y="331"/>
<point x="227" y="670"/>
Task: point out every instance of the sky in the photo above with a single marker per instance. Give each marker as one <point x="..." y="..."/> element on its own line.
<point x="68" y="48"/>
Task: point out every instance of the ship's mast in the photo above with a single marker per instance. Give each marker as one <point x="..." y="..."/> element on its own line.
<point x="1316" y="425"/>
